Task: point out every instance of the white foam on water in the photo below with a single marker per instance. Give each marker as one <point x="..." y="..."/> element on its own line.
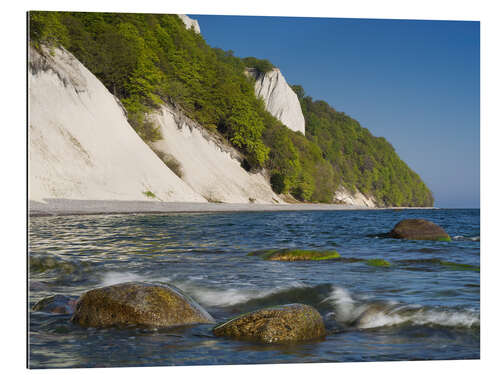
<point x="214" y="297"/>
<point x="345" y="305"/>
<point x="466" y="238"/>
<point x="364" y="314"/>
<point x="217" y="295"/>
<point x="380" y="319"/>
<point x="204" y="291"/>
<point x="111" y="278"/>
<point x="446" y="318"/>
<point x="420" y="317"/>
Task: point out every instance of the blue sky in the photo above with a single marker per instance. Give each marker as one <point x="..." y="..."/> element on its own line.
<point x="416" y="83"/>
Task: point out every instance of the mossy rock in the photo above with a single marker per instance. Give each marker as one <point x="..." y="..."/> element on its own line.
<point x="137" y="303"/>
<point x="280" y="324"/>
<point x="378" y="262"/>
<point x="292" y="255"/>
<point x="261" y="253"/>
<point x="419" y="229"/>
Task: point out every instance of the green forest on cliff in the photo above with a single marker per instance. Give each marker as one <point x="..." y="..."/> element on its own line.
<point x="149" y="59"/>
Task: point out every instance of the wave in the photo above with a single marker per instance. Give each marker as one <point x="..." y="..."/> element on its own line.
<point x="334" y="302"/>
<point x="467" y="238"/>
<point x="373" y="314"/>
<point x="203" y="290"/>
<point x="229" y="297"/>
<point x="213" y="294"/>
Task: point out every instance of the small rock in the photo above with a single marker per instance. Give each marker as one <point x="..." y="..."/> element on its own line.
<point x="419" y="229"/>
<point x="281" y="324"/>
<point x="135" y="303"/>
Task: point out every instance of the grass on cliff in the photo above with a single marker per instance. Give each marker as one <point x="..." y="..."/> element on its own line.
<point x="170" y="161"/>
<point x="150" y="194"/>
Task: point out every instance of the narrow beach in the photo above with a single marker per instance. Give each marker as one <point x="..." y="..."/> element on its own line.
<point x="94" y="207"/>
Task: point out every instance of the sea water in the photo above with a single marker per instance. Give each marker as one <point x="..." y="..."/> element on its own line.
<point x="424" y="306"/>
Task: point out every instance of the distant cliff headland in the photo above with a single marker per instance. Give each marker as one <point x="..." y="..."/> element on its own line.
<point x="140" y="107"/>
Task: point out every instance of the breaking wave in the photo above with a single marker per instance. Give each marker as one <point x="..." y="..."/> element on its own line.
<point x="372" y="314"/>
<point x="335" y="303"/>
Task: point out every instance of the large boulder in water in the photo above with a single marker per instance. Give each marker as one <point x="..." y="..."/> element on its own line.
<point x="136" y="303"/>
<point x="281" y="324"/>
<point x="419" y="229"/>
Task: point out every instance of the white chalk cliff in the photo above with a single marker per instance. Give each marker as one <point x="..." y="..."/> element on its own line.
<point x="209" y="165"/>
<point x="82" y="147"/>
<point x="279" y="98"/>
<point x="342" y="195"/>
<point x="80" y="143"/>
<point x="190" y="23"/>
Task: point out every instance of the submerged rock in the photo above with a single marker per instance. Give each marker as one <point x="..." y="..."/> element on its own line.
<point x="460" y="266"/>
<point x="280" y="324"/>
<point x="57" y="304"/>
<point x="135" y="303"/>
<point x="419" y="229"/>
<point x="295" y="254"/>
<point x="40" y="264"/>
<point x="378" y="262"/>
<point x="436" y="261"/>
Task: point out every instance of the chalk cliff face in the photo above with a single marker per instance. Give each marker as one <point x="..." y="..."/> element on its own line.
<point x="190" y="23"/>
<point x="281" y="101"/>
<point x="344" y="196"/>
<point x="80" y="143"/>
<point x="209" y="166"/>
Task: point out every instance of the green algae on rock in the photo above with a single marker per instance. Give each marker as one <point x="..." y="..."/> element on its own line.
<point x="295" y="254"/>
<point x="279" y="324"/>
<point x="419" y="229"/>
<point x="136" y="303"/>
<point x="378" y="262"/>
